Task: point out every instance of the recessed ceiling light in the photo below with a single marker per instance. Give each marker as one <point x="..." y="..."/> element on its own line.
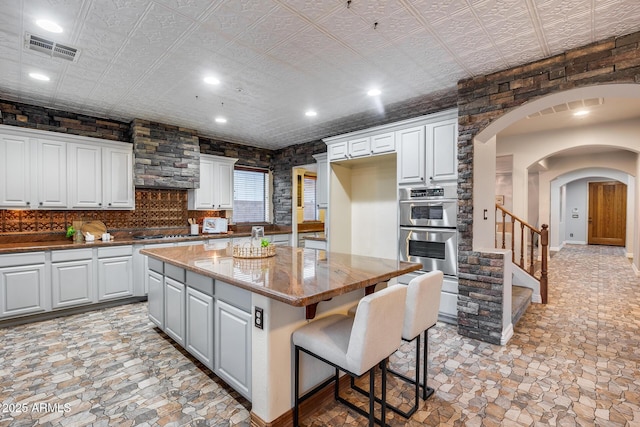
<point x="581" y="113"/>
<point x="211" y="80"/>
<point x="38" y="76"/>
<point x="221" y="120"/>
<point x="310" y="113"/>
<point x="49" y="26"/>
<point x="374" y="92"/>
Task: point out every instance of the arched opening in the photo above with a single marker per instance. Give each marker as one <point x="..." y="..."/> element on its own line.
<point x="549" y="151"/>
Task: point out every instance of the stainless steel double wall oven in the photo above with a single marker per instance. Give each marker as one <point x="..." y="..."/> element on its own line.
<point x="428" y="234"/>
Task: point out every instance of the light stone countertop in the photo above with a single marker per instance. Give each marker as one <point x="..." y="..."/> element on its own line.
<point x="296" y="276"/>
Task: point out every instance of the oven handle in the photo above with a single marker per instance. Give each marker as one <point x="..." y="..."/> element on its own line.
<point x="432" y="202"/>
<point x="430" y="229"/>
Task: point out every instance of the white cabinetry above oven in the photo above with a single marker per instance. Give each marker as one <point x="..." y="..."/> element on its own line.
<point x="428" y="154"/>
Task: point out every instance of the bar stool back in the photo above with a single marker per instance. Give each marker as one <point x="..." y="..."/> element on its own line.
<point x="354" y="345"/>
<point x="421" y="313"/>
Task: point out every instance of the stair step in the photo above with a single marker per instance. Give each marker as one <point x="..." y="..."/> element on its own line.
<point x="520" y="300"/>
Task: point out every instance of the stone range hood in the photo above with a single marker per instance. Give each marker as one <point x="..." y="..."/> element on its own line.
<point x="165" y="156"/>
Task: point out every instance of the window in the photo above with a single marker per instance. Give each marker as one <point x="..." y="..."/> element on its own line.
<point x="250" y="195"/>
<point x="309" y="198"/>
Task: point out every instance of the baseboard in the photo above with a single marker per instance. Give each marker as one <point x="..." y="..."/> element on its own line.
<point x="307" y="408"/>
<point x="506" y="334"/>
<point x="536" y="298"/>
<point x="635" y="269"/>
<point x="48" y="315"/>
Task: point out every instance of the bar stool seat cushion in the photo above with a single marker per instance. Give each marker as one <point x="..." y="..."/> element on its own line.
<point x="328" y="336"/>
<point x="358" y="343"/>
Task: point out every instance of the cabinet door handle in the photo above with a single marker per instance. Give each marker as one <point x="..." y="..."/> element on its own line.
<point x="109" y="204"/>
<point x="28" y="203"/>
<point x="41" y="203"/>
<point x="99" y="204"/>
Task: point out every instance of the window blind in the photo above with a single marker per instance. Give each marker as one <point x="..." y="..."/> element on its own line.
<point x="250" y="195"/>
<point x="309" y="213"/>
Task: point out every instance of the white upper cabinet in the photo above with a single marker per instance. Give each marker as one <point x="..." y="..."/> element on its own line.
<point x="52" y="170"/>
<point x="322" y="186"/>
<point x="338" y="151"/>
<point x="85" y="179"/>
<point x="442" y="149"/>
<point x="100" y="176"/>
<point x="216" y="184"/>
<point x="359" y="147"/>
<point x="34" y="172"/>
<point x="117" y="178"/>
<point x="51" y="174"/>
<point x="224" y="177"/>
<point x="15" y="171"/>
<point x="383" y="143"/>
<point x="411" y="159"/>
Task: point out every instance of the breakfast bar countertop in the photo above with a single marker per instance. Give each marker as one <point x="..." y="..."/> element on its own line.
<point x="296" y="276"/>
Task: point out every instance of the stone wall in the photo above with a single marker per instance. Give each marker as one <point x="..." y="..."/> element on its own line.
<point x="482" y="100"/>
<point x="35" y="117"/>
<point x="165" y="156"/>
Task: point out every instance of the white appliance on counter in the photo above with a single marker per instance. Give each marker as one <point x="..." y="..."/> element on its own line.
<point x="215" y="225"/>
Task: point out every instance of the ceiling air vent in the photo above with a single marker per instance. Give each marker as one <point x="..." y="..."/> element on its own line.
<point x="50" y="48"/>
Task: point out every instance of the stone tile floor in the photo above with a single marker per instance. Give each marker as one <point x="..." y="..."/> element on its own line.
<point x="572" y="362"/>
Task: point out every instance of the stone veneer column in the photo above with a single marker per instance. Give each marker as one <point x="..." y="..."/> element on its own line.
<point x="481" y="100"/>
<point x="165" y="156"/>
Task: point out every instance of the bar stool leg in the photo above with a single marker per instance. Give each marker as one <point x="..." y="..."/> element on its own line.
<point x="372" y="398"/>
<point x="296" y="386"/>
<point x="426" y="391"/>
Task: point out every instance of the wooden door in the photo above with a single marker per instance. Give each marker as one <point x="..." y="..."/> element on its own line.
<point x="607" y="213"/>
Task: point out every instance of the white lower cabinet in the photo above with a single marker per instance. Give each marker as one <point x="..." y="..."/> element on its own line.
<point x="115" y="272"/>
<point x="174" y="309"/>
<point x="155" y="300"/>
<point x="200" y="326"/>
<point x="210" y="319"/>
<point x="72" y="283"/>
<point x="233" y="347"/>
<point x="23" y="290"/>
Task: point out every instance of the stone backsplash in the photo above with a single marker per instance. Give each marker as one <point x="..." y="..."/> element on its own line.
<point x="155" y="208"/>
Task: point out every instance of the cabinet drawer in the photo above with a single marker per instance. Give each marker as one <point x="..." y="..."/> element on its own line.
<point x="176" y="273"/>
<point x="22" y="259"/>
<point x="202" y="283"/>
<point x="71" y="255"/>
<point x="155" y="265"/>
<point x="238" y="297"/>
<point x="115" y="251"/>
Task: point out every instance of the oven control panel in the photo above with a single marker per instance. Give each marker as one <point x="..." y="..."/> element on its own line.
<point x="421" y="193"/>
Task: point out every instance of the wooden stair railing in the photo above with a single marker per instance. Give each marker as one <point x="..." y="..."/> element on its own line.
<point x="543" y="235"/>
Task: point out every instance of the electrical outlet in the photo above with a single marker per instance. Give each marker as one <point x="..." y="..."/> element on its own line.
<point x="258" y="318"/>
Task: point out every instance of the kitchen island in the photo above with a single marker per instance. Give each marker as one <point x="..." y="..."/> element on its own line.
<point x="255" y="306"/>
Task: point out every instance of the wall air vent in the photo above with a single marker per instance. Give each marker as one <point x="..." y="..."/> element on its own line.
<point x="50" y="48"/>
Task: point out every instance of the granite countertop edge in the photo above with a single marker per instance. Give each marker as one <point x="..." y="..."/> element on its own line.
<point x="290" y="299"/>
<point x="52" y="245"/>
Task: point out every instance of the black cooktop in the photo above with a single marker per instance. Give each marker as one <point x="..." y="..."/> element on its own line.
<point x="162" y="236"/>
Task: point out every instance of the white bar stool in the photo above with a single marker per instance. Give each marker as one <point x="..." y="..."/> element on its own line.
<point x="354" y="345"/>
<point x="421" y="313"/>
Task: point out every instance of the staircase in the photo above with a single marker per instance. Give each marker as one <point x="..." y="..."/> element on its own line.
<point x="520" y="300"/>
<point x="528" y="271"/>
